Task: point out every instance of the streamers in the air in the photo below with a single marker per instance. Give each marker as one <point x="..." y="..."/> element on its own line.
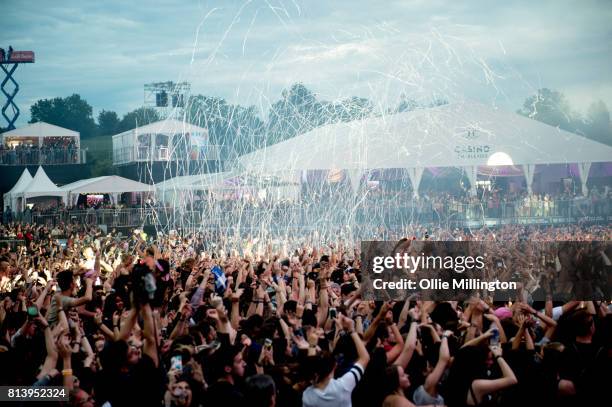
<point x="312" y="79"/>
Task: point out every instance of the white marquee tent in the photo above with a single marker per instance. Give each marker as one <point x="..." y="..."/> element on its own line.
<point x="159" y="141"/>
<point x="110" y="184"/>
<point x="35" y="133"/>
<point x="10" y="198"/>
<point x="193" y="182"/>
<point x="39" y="186"/>
<point x="223" y="182"/>
<point x="464" y="135"/>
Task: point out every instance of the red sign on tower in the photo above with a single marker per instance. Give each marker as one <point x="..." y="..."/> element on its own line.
<point x="17" y="57"/>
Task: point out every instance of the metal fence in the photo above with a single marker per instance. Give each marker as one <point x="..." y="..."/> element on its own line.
<point x="388" y="215"/>
<point x="42" y="156"/>
<point x="145" y="153"/>
<point x="12" y="244"/>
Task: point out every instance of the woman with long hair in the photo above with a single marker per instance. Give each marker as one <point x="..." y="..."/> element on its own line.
<point x="397" y="382"/>
<point x="471" y="387"/>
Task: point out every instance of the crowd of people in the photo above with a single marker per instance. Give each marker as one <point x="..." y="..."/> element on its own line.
<point x="208" y="319"/>
<point x="54" y="150"/>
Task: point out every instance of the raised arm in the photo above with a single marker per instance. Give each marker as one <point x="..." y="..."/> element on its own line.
<point x="363" y="357"/>
<point x="40" y="301"/>
<point x="88" y="294"/>
<point x="128" y="325"/>
<point x="224" y="324"/>
<point x="256" y="306"/>
<point x="477" y="340"/>
<point x="103" y="328"/>
<point x="432" y="380"/>
<point x="483" y="387"/>
<point x="500" y="328"/>
<point x="183" y="315"/>
<point x="374" y="325"/>
<point x="65" y="351"/>
<point x="51" y="358"/>
<point x="409" y="346"/>
<point x="395" y="351"/>
<point x="235" y="313"/>
<point x="323" y="308"/>
<point x="150" y="344"/>
<point x="516" y="341"/>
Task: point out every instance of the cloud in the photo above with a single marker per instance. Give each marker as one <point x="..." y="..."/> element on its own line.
<point x="249" y="51"/>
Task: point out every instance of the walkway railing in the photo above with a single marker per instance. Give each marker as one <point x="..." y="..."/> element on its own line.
<point x="128" y="155"/>
<point x="12" y="244"/>
<point x="317" y="217"/>
<point x="42" y="156"/>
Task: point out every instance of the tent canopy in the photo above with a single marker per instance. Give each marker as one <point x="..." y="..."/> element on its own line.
<point x="157" y="141"/>
<point x="226" y="182"/>
<point x="194" y="182"/>
<point x="39" y="130"/>
<point x="41" y="185"/>
<point x="169" y="126"/>
<point x="23" y="181"/>
<point x="454" y="135"/>
<point x="111" y="184"/>
<point x="10" y="198"/>
<point x="218" y="181"/>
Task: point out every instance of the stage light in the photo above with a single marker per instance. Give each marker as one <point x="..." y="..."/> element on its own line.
<point x="499" y="158"/>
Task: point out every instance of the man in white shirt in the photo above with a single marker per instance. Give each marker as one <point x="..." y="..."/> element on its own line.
<point x="327" y="391"/>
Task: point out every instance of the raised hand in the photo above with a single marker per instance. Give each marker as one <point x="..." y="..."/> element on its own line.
<point x="186" y="311"/>
<point x="235" y="297"/>
<point x="212" y="313"/>
<point x="347" y="323"/>
<point x="98" y="317"/>
<point x="63" y="346"/>
<point x="116" y="317"/>
<point x="300" y="342"/>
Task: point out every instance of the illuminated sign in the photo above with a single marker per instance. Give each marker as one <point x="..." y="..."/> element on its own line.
<point x="18" y="57"/>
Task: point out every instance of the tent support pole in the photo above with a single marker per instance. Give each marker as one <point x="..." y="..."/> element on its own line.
<point x="415" y="175"/>
<point x="472" y="174"/>
<point x="529" y="171"/>
<point x="583" y="171"/>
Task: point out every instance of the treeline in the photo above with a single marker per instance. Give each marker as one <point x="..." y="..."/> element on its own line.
<point x="241" y="129"/>
<point x="238" y="129"/>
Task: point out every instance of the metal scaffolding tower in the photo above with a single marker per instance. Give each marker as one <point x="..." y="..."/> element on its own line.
<point x="9" y="61"/>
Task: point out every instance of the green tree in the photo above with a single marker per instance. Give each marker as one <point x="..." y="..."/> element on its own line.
<point x="297" y="112"/>
<point x="597" y="123"/>
<point x="354" y="108"/>
<point x="137" y="118"/>
<point x="551" y="107"/>
<point x="108" y="123"/>
<point x="70" y="112"/>
<point x="406" y="104"/>
<point x="237" y="129"/>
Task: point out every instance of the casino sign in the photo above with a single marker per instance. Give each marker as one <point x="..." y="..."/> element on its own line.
<point x="472" y="151"/>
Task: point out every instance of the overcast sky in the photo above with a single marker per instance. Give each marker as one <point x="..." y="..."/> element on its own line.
<point x="248" y="51"/>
